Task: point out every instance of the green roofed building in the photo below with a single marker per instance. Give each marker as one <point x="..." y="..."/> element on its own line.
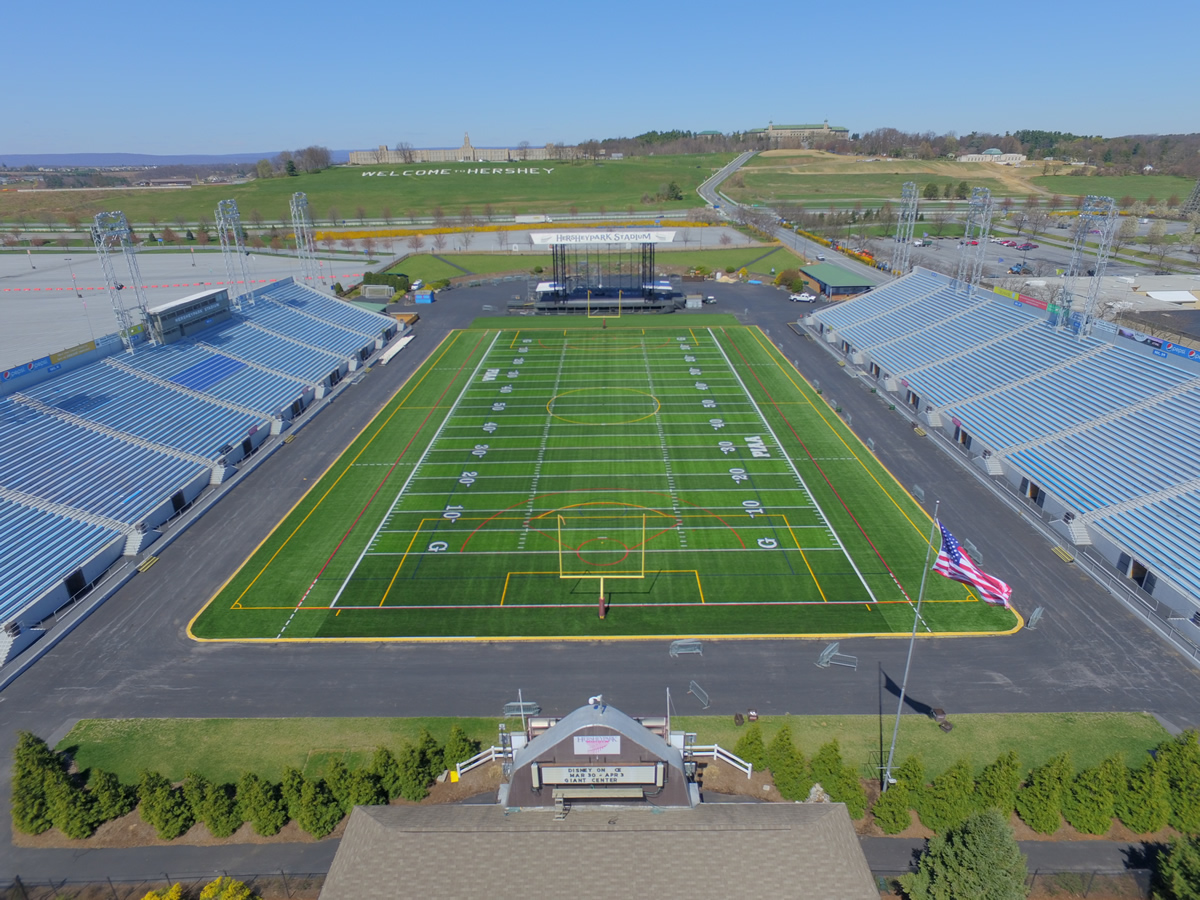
<point x="835" y="281"/>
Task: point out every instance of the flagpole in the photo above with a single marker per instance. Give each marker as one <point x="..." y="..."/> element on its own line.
<point x="887" y="774"/>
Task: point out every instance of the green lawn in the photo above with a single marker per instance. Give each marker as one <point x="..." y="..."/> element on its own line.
<point x="615" y="184"/>
<point x="779" y="186"/>
<point x="1139" y="187"/>
<point x="222" y="749"/>
<point x="1090" y="737"/>
<point x="688" y="467"/>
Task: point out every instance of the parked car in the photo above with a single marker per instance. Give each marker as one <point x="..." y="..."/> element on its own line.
<point x="710" y="299"/>
<point x="1027" y="246"/>
<point x="820" y="257"/>
<point x="1020" y="269"/>
<point x="806" y="297"/>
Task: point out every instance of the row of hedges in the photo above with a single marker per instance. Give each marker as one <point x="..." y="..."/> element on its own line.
<point x="46" y="794"/>
<point x="398" y="283"/>
<point x="795" y="775"/>
<point x="1163" y="791"/>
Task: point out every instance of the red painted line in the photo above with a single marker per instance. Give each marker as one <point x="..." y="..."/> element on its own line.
<point x="392" y="468"/>
<point x="813" y="460"/>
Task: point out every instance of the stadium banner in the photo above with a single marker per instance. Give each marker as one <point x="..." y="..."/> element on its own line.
<point x="77" y="350"/>
<point x="1005" y="292"/>
<point x="18" y="371"/>
<point x="1186" y="352"/>
<point x="602" y="237"/>
<point x="1032" y="301"/>
<point x="1140" y="338"/>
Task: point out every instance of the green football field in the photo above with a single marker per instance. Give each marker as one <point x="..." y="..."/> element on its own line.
<point x="683" y="472"/>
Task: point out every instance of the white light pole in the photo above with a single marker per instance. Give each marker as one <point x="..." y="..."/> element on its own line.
<point x="887" y="774"/>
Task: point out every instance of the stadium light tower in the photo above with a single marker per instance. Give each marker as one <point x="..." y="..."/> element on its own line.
<point x="110" y="232"/>
<point x="1193" y="203"/>
<point x="233" y="249"/>
<point x="902" y="249"/>
<point x="978" y="228"/>
<point x="302" y="227"/>
<point x="1098" y="214"/>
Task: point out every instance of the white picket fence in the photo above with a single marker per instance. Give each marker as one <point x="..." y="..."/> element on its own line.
<point x="716" y="751"/>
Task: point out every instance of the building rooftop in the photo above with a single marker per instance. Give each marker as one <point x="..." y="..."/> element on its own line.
<point x="836" y="276"/>
<point x="769" y="849"/>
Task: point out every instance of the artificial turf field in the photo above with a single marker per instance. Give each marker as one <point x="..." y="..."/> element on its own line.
<point x="687" y="464"/>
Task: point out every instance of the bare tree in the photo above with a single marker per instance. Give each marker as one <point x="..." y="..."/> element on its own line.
<point x="439" y="217"/>
<point x="62" y="241"/>
<point x="467" y="237"/>
<point x="333" y="214"/>
<point x="347" y="244"/>
<point x="387" y="215"/>
<point x="1157" y="245"/>
<point x="404" y="148"/>
<point x="369" y="245"/>
<point x="256" y="217"/>
<point x="725" y="240"/>
<point x="501" y="239"/>
<point x="468" y="216"/>
<point x="488" y="211"/>
<point x="360" y="213"/>
<point x="1125" y="235"/>
<point x="329" y="242"/>
<point x="412" y="215"/>
<point x="523" y="149"/>
<point x="416" y="243"/>
<point x="439" y="242"/>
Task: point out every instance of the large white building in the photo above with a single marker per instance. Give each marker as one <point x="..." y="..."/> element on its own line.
<point x="994" y="155"/>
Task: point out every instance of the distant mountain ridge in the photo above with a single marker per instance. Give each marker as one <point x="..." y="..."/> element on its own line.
<point x="19" y="160"/>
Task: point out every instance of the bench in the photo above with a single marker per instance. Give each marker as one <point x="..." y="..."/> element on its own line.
<point x="831" y="657"/>
<point x="516" y="708"/>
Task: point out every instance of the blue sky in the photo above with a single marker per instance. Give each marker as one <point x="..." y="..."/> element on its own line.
<point x="359" y="74"/>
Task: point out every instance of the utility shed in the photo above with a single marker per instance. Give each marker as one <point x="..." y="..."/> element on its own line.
<point x="714" y="851"/>
<point x="835" y="281"/>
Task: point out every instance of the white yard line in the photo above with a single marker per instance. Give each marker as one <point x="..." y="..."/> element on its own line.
<point x="541" y="451"/>
<point x="416" y="468"/>
<point x="795" y="471"/>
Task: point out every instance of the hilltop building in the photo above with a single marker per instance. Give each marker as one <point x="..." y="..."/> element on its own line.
<point x="994" y="155"/>
<point x="775" y="134"/>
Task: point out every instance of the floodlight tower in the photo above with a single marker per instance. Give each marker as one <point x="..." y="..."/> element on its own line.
<point x="902" y="249"/>
<point x="978" y="228"/>
<point x="1193" y="203"/>
<point x="303" y="229"/>
<point x="233" y="249"/>
<point x="1098" y="214"/>
<point x="110" y="231"/>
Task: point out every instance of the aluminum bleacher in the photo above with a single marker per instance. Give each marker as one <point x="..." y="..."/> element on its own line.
<point x="1103" y="430"/>
<point x="93" y="459"/>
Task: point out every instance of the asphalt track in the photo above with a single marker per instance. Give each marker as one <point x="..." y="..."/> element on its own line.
<point x="132" y="658"/>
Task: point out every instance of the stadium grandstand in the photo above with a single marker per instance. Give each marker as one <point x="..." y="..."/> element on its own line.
<point x="99" y="447"/>
<point x="1097" y="433"/>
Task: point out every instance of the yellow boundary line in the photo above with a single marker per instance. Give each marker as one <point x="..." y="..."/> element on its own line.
<point x="320" y="478"/>
<point x="774" y="354"/>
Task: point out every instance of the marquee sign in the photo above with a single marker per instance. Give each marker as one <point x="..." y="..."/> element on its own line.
<point x="599" y="774"/>
<point x="602" y="237"/>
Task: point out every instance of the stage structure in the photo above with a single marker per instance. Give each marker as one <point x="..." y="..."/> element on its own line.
<point x="110" y="233"/>
<point x="978" y="228"/>
<point x="305" y="245"/>
<point x="603" y="269"/>
<point x="1098" y="214"/>
<point x="907" y="223"/>
<point x="233" y="249"/>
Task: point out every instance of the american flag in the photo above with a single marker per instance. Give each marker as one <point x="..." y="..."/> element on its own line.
<point x="953" y="562"/>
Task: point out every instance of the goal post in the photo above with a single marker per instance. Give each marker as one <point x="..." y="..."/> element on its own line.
<point x="603" y="571"/>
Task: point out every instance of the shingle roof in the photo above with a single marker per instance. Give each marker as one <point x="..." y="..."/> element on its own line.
<point x="775" y="849"/>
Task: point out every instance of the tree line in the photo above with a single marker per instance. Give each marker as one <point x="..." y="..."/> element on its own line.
<point x="47" y="794"/>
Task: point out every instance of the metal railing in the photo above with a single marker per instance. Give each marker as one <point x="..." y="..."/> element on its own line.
<point x="717" y="752"/>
